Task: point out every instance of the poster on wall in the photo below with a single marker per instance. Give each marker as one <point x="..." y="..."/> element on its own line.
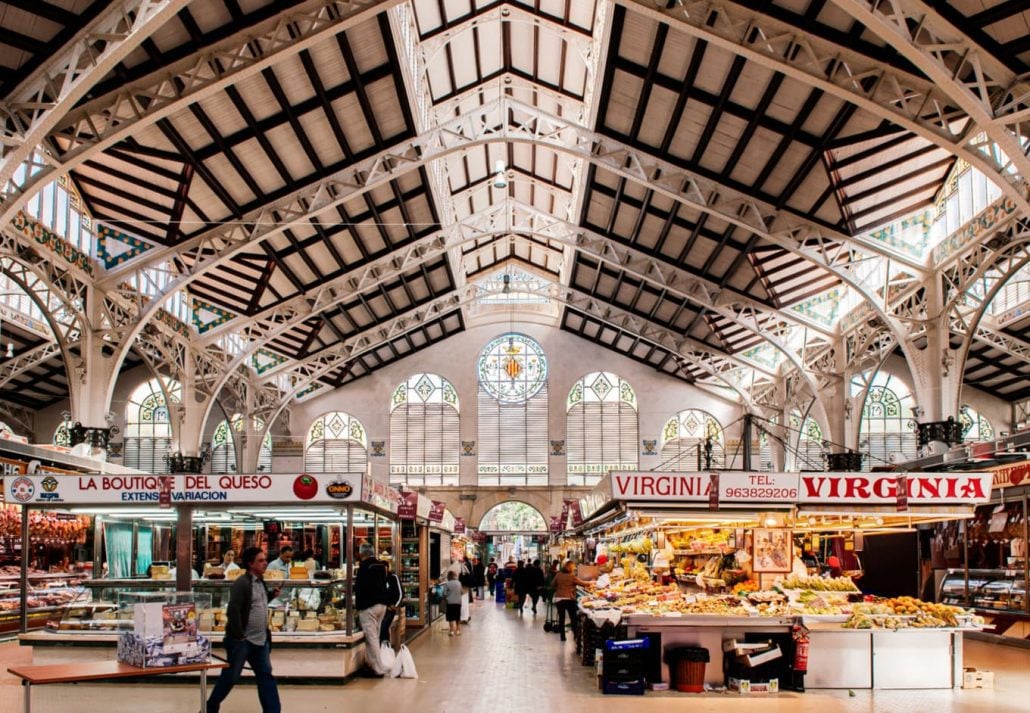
<point x="407" y="509"/>
<point x="436" y="511"/>
<point x="459" y="526"/>
<point x="772" y="550"/>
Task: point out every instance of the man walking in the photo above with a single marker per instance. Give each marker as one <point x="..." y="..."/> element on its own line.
<point x="478" y="577"/>
<point x="247" y="638"/>
<point x="369" y="599"/>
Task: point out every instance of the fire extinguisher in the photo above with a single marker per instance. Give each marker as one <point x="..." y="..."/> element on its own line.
<point x="801" y="643"/>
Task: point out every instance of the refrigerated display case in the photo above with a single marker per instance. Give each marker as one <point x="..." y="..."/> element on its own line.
<point x="989" y="589"/>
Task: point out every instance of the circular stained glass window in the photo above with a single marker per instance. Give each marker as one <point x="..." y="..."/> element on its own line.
<point x="512" y="368"/>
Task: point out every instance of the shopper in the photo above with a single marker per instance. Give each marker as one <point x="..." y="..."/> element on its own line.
<point x="394" y="596"/>
<point x="478" y="577"/>
<point x="520" y="584"/>
<point x="565" y="583"/>
<point x="369" y="600"/>
<point x="247" y="637"/>
<point x="534" y="582"/>
<point x="454" y="597"/>
<point x="491" y="576"/>
<point x="465" y="579"/>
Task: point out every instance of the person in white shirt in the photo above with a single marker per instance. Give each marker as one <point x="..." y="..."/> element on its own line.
<point x="282" y="564"/>
<point x="229" y="561"/>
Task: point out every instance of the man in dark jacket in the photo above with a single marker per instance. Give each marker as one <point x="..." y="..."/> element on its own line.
<point x="370" y="601"/>
<point x="247" y="638"/>
<point x="534" y="582"/>
<point x="478" y="577"/>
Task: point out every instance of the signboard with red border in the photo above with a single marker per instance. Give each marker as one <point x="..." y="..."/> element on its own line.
<point x="205" y="489"/>
<point x="802" y="488"/>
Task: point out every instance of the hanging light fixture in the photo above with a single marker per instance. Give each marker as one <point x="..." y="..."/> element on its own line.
<point x="10" y="350"/>
<point x="506" y="290"/>
<point x="500" y="177"/>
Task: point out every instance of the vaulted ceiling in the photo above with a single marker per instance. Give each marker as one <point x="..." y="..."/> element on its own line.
<point x="619" y="85"/>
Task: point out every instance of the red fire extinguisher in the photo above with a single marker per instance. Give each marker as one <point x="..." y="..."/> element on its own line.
<point x="801" y="643"/>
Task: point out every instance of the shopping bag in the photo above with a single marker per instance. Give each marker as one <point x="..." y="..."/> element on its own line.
<point x="405" y="664"/>
<point x="387" y="657"/>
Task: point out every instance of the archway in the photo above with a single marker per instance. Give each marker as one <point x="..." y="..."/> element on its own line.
<point x="515" y="530"/>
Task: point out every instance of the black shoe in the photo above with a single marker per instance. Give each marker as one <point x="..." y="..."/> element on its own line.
<point x="563" y="637"/>
<point x="534" y="610"/>
<point x="369" y="673"/>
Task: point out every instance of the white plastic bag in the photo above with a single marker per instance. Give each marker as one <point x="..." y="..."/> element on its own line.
<point x="387" y="657"/>
<point x="404" y="665"/>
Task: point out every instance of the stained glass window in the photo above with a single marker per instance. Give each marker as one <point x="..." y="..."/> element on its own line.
<point x="512" y="368"/>
<point x="512" y="400"/>
<point x="424" y="440"/>
<point x="601" y="427"/>
<point x="683" y="441"/>
<point x="223" y="446"/>
<point x="148" y="426"/>
<point x="807" y="438"/>
<point x="975" y="426"/>
<point x="887" y="432"/>
<point x="336" y="444"/>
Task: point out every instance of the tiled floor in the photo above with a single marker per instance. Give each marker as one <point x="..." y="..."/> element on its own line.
<point x="506" y="663"/>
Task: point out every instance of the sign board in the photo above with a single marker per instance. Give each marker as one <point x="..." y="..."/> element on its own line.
<point x="802" y="488"/>
<point x="902" y="491"/>
<point x="459" y="526"/>
<point x="230" y="489"/>
<point x="436" y="511"/>
<point x="408" y="507"/>
<point x="713" y="492"/>
<point x="1011" y="474"/>
<point x="164" y="496"/>
<point x="555" y="524"/>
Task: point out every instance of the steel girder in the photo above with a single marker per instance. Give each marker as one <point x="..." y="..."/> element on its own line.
<point x="36" y="106"/>
<point x="19" y="416"/>
<point x="25" y="361"/>
<point x="912" y="102"/>
<point x="201" y="253"/>
<point x="103" y="122"/>
<point x="992" y="100"/>
<point x="302" y="374"/>
<point x="784" y="330"/>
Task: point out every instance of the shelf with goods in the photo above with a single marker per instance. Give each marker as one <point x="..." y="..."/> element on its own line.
<point x="414" y="572"/>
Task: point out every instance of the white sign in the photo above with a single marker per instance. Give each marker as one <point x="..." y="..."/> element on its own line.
<point x="229" y="489"/>
<point x="803" y="488"/>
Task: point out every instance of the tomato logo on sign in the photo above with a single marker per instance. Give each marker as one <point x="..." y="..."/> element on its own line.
<point x="305" y="487"/>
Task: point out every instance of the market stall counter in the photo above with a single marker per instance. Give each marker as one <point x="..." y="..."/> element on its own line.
<point x="692" y="564"/>
<point x="315" y="632"/>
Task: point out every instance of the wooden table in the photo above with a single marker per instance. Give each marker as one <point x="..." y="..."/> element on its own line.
<point x="78" y="672"/>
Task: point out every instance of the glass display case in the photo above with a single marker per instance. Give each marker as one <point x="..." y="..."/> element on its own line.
<point x="989" y="589"/>
<point x="303" y="606"/>
<point x="46" y="594"/>
<point x="413" y="572"/>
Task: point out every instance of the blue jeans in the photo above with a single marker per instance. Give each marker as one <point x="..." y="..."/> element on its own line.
<point x="237" y="653"/>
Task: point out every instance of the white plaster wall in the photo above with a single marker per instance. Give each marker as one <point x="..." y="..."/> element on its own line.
<point x="569" y="358"/>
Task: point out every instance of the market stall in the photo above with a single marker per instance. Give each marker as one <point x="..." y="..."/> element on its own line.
<point x="983" y="563"/>
<point x="314" y="612"/>
<point x="718" y="561"/>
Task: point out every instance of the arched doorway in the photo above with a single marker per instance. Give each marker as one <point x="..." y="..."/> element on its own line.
<point x="514" y="530"/>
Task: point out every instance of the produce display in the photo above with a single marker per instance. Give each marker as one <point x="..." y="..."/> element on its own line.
<point x="905" y="612"/>
<point x="818" y="584"/>
<point x="639" y="546"/>
<point x="696" y="540"/>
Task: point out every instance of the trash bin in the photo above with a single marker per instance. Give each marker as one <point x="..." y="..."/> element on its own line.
<point x="687" y="667"/>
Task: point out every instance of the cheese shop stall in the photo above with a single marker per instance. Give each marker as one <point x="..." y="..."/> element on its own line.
<point x="758" y="570"/>
<point x="148" y="548"/>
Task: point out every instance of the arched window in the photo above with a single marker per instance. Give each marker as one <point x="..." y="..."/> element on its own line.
<point x="512" y="402"/>
<point x="808" y="437"/>
<point x="148" y="427"/>
<point x="424" y="431"/>
<point x="975" y="426"/>
<point x="223" y="446"/>
<point x="887" y="430"/>
<point x="601" y="427"/>
<point x="683" y="441"/>
<point x="336" y="444"/>
<point x="512" y="516"/>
